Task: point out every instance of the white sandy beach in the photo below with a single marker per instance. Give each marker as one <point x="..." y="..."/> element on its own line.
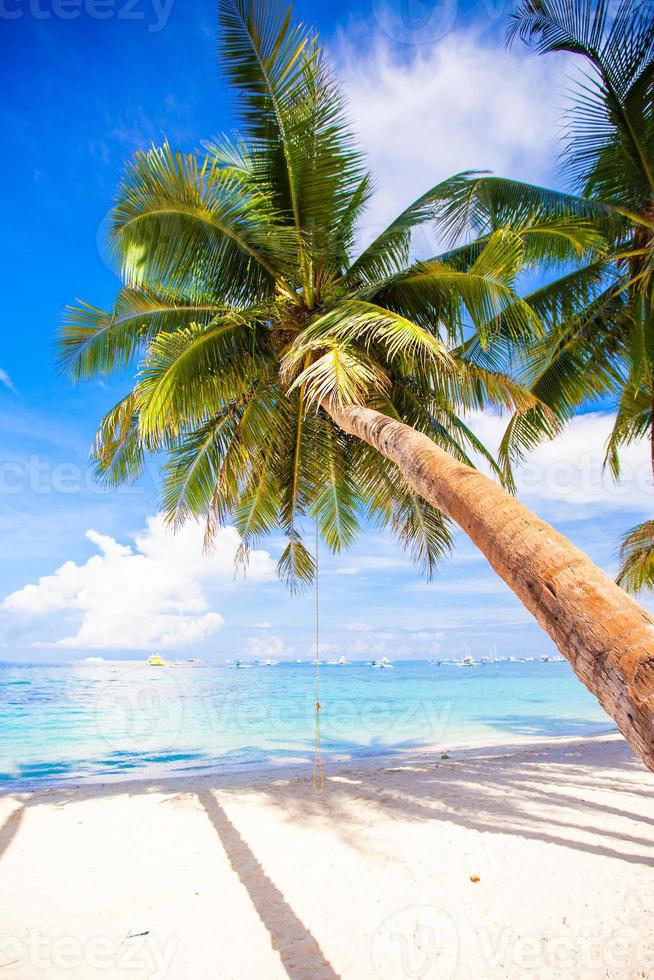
<point x="259" y="878"/>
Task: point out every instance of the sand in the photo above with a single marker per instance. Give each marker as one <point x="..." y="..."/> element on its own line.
<point x="513" y="861"/>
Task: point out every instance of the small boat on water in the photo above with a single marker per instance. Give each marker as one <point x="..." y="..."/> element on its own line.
<point x="382" y="664"/>
<point x="194" y="660"/>
<point x="467" y="662"/>
<point x="156" y="661"/>
<point x="338" y="663"/>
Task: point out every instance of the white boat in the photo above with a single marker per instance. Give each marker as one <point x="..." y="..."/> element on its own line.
<point x="268" y="663"/>
<point x="338" y="663"/>
<point x="467" y="662"/>
<point x="382" y="664"/>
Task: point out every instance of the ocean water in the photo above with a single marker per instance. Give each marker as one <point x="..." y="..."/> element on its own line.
<point x="79" y="722"/>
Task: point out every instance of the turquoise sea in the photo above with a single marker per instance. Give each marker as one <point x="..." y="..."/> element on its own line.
<point x="76" y="722"/>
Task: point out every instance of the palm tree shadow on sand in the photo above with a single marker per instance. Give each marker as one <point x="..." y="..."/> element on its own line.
<point x="546" y="793"/>
<point x="298" y="949"/>
<point x="10" y="828"/>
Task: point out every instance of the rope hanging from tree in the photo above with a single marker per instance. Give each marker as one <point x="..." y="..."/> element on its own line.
<point x="318" y="770"/>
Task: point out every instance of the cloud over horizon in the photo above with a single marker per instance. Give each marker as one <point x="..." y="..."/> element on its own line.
<point x="142" y="597"/>
<point x="156" y="590"/>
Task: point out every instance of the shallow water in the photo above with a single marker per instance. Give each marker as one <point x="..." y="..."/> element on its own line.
<point x="63" y="722"/>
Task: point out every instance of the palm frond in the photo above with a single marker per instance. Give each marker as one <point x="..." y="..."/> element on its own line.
<point x="633" y="421"/>
<point x="610" y="123"/>
<point x="296" y="566"/>
<point x="180" y="223"/>
<point x="389" y="252"/>
<point x="190" y="374"/>
<point x="366" y="323"/>
<point x="119" y="449"/>
<point x="93" y="342"/>
<point x="335" y="499"/>
<point x="293" y="115"/>
<point x="437" y="295"/>
<point x="343" y="373"/>
<point x="482" y="204"/>
<point x="424" y="532"/>
<point x="194" y="465"/>
<point x="637" y="558"/>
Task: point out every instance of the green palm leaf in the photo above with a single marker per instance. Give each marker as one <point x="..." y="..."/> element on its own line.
<point x="637" y="558"/>
<point x="243" y="315"/>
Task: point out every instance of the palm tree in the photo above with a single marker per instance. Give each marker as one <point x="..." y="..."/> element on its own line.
<point x="600" y="341"/>
<point x="282" y="378"/>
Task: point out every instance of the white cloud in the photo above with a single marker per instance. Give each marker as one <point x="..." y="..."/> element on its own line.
<point x="139" y="597"/>
<point x="358" y="627"/>
<point x="325" y="648"/>
<point x="362" y="649"/>
<point x="463" y="103"/>
<point x="265" y="625"/>
<point x="569" y="471"/>
<point x="6" y="381"/>
<point x="377" y="646"/>
<point x="270" y="646"/>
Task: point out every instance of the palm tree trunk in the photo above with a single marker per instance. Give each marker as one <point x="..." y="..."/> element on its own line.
<point x="607" y="637"/>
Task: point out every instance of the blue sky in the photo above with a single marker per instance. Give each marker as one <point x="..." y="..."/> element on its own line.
<point x="86" y="83"/>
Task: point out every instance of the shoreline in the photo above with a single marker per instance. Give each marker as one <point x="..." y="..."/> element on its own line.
<point x="241" y="772"/>
<point x="507" y="860"/>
